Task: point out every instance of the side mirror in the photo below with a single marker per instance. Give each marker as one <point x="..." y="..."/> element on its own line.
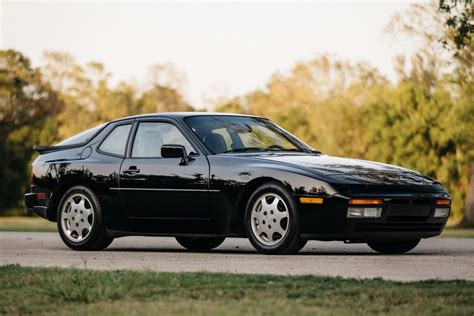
<point x="173" y="151"/>
<point x="176" y="151"/>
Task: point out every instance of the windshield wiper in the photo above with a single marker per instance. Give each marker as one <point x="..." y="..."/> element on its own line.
<point x="304" y="150"/>
<point x="259" y="149"/>
<point x="243" y="150"/>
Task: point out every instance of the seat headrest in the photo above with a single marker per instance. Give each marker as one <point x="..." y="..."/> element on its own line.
<point x="149" y="144"/>
<point x="215" y="142"/>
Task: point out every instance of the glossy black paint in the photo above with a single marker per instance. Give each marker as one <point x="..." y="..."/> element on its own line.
<point x="206" y="194"/>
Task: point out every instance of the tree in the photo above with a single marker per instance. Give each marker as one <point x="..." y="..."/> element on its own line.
<point x="162" y="99"/>
<point x="28" y="107"/>
<point x="407" y="127"/>
<point x="459" y="19"/>
<point x="75" y="89"/>
<point x="89" y="99"/>
<point x="422" y="122"/>
<point x="164" y="90"/>
<point x="319" y="100"/>
<point x="434" y="71"/>
<point x="166" y="75"/>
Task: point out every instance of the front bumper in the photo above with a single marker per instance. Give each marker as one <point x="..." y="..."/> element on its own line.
<point x="401" y="218"/>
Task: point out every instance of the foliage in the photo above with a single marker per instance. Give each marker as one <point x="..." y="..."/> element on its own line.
<point x="28" y="106"/>
<point x="42" y="106"/>
<point x="90" y="100"/>
<point x="422" y="121"/>
<point x="459" y="19"/>
<point x="69" y="291"/>
<point x="405" y="126"/>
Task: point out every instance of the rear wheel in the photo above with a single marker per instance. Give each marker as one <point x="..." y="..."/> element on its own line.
<point x="393" y="247"/>
<point x="200" y="243"/>
<point x="271" y="221"/>
<point x="80" y="222"/>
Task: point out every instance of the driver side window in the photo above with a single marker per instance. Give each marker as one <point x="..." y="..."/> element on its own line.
<point x="151" y="136"/>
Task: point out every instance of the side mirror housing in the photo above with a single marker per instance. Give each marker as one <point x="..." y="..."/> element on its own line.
<point x="173" y="151"/>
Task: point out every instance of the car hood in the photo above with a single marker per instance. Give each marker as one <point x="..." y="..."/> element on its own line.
<point x="352" y="171"/>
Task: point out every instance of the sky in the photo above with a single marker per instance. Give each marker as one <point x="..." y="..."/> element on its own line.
<point x="224" y="49"/>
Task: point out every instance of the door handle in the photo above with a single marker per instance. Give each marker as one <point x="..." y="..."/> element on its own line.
<point x="131" y="170"/>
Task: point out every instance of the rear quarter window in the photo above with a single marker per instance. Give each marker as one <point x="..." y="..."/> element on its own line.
<point x="82" y="137"/>
<point x="116" y="142"/>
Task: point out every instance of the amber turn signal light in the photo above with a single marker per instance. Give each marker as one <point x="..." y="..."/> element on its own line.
<point x="365" y="202"/>
<point x="443" y="202"/>
<point x="309" y="200"/>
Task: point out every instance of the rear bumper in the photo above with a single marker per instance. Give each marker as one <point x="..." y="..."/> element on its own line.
<point x="33" y="204"/>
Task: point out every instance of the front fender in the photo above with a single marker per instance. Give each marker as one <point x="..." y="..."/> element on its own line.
<point x="232" y="180"/>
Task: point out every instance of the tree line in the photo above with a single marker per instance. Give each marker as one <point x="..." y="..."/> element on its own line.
<point x="47" y="104"/>
<point x="423" y="120"/>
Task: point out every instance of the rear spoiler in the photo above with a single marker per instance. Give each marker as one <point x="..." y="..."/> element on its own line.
<point x="46" y="149"/>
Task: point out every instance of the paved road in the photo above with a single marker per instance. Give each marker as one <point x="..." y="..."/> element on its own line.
<point x="436" y="258"/>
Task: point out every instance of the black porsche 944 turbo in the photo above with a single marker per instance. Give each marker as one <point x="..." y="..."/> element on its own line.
<point x="202" y="177"/>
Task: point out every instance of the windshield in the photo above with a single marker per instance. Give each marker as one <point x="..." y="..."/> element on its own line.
<point x="82" y="137"/>
<point x="223" y="134"/>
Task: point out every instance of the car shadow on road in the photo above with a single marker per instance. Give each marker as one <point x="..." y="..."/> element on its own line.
<point x="180" y="250"/>
<point x="308" y="252"/>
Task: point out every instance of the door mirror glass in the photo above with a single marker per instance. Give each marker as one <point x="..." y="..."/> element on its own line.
<point x="173" y="151"/>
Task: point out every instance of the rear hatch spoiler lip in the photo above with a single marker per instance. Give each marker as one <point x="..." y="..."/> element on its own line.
<point x="46" y="149"/>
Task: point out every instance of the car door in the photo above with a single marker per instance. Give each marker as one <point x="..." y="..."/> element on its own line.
<point x="164" y="195"/>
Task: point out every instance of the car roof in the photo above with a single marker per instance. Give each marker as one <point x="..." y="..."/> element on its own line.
<point x="179" y="115"/>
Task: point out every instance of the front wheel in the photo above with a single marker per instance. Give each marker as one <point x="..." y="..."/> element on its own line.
<point x="271" y="221"/>
<point x="200" y="243"/>
<point x="393" y="247"/>
<point x="80" y="221"/>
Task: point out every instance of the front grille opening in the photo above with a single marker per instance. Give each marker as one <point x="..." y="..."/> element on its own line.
<point x="407" y="218"/>
<point x="412" y="201"/>
<point x="398" y="227"/>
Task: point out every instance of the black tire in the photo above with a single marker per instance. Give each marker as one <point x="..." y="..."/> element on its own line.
<point x="393" y="247"/>
<point x="200" y="243"/>
<point x="97" y="238"/>
<point x="291" y="242"/>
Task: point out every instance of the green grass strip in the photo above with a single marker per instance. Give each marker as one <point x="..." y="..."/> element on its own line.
<point x="62" y="291"/>
<point x="26" y="224"/>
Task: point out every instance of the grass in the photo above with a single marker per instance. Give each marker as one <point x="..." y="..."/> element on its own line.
<point x="70" y="291"/>
<point x="26" y="224"/>
<point x="13" y="212"/>
<point x="458" y="233"/>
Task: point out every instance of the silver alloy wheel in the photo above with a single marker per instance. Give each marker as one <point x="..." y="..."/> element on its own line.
<point x="77" y="217"/>
<point x="270" y="219"/>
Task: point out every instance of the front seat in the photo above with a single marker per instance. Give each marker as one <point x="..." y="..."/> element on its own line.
<point x="150" y="145"/>
<point x="215" y="142"/>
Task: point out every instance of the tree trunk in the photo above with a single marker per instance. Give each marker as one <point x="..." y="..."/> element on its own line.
<point x="468" y="217"/>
